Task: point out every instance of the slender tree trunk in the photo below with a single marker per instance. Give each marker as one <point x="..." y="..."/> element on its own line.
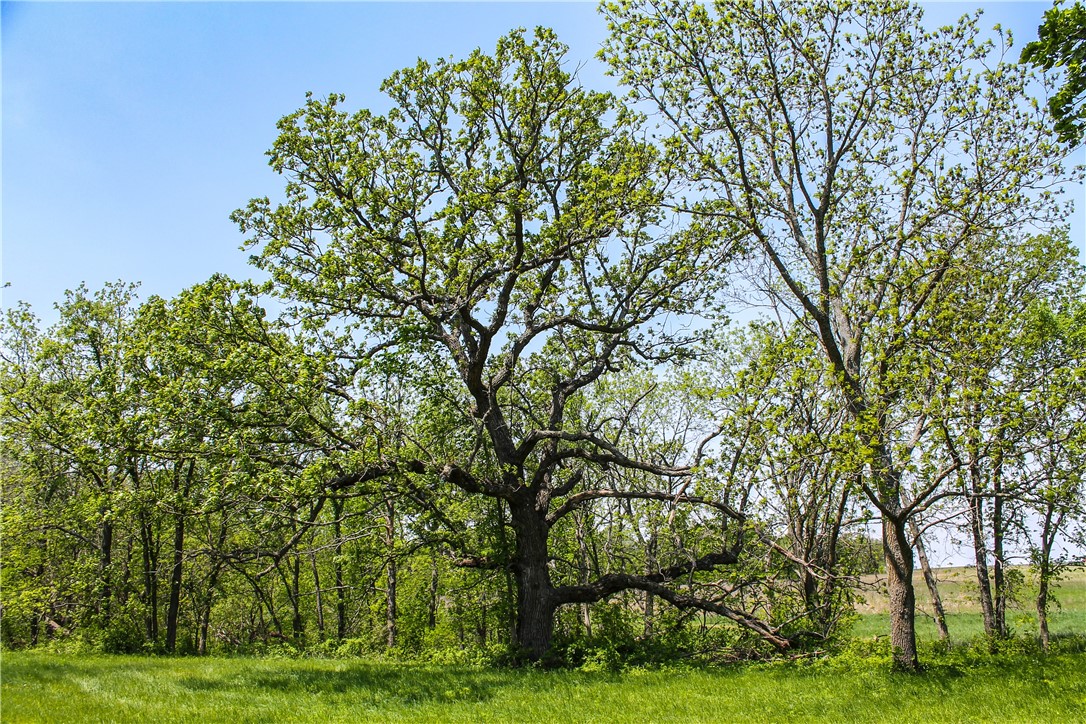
<point x="939" y="613"/>
<point x="337" y="572"/>
<point x="431" y="608"/>
<point x="297" y="625"/>
<point x="175" y="582"/>
<point x="150" y="577"/>
<point x="317" y="593"/>
<point x="582" y="569"/>
<point x="999" y="574"/>
<point x="980" y="558"/>
<point x="390" y="589"/>
<point x="650" y="568"/>
<point x="899" y="584"/>
<point x="105" y="567"/>
<point x="1044" y="571"/>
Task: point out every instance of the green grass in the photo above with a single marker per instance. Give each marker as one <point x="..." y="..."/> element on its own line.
<point x="964" y="683"/>
<point x="958" y="589"/>
<point x="958" y="686"/>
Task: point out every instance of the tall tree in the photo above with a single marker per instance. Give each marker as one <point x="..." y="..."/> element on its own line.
<point x="497" y="231"/>
<point x="864" y="157"/>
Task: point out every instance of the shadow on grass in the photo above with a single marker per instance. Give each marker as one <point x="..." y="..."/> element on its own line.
<point x="376" y="684"/>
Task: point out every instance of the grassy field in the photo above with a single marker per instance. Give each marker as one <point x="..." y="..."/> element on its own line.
<point x="958" y="589"/>
<point x="955" y="687"/>
<point x="964" y="683"/>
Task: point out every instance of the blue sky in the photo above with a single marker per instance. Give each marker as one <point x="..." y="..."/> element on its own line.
<point x="132" y="130"/>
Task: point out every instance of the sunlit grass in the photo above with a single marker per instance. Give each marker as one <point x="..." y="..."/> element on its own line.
<point x="959" y="590"/>
<point x="964" y="683"/>
<point x="960" y="686"/>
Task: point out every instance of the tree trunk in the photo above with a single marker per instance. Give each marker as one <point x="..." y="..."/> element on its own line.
<point x="1044" y="574"/>
<point x="175" y="582"/>
<point x="105" y="566"/>
<point x="297" y="625"/>
<point x="939" y="613"/>
<point x="582" y="570"/>
<point x="899" y="584"/>
<point x="390" y="589"/>
<point x="535" y="593"/>
<point x="980" y="557"/>
<point x="317" y="593"/>
<point x="999" y="578"/>
<point x="650" y="568"/>
<point x="337" y="571"/>
<point x="150" y="578"/>
<point x="431" y="608"/>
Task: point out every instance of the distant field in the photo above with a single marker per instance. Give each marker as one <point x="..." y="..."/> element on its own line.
<point x="958" y="589"/>
<point x="957" y="686"/>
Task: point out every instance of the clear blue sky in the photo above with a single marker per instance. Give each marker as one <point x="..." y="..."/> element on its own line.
<point x="132" y="130"/>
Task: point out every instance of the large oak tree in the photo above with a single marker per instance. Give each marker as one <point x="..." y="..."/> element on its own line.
<point x="497" y="236"/>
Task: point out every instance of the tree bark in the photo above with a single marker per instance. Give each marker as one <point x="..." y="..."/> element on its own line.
<point x="899" y="584"/>
<point x="105" y="566"/>
<point x="939" y="613"/>
<point x="150" y="577"/>
<point x="999" y="578"/>
<point x="535" y="593"/>
<point x="1044" y="575"/>
<point x="390" y="589"/>
<point x="318" y="594"/>
<point x="980" y="558"/>
<point x="337" y="571"/>
<point x="175" y="582"/>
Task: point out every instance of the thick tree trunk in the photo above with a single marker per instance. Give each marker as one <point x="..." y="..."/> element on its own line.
<point x="899" y="583"/>
<point x="938" y="612"/>
<point x="535" y="593"/>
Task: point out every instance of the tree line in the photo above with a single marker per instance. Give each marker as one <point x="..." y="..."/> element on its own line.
<point x="502" y="406"/>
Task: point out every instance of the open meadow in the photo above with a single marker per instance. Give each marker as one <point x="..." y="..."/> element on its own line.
<point x="958" y="589"/>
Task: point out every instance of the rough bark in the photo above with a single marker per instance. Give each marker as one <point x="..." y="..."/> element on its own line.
<point x="899" y="584"/>
<point x="536" y="603"/>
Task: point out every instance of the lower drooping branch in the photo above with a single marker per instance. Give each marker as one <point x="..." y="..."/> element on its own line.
<point x="655" y="583"/>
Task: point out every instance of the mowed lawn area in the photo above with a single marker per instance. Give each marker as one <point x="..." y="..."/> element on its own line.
<point x="964" y="683"/>
<point x="1005" y="688"/>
